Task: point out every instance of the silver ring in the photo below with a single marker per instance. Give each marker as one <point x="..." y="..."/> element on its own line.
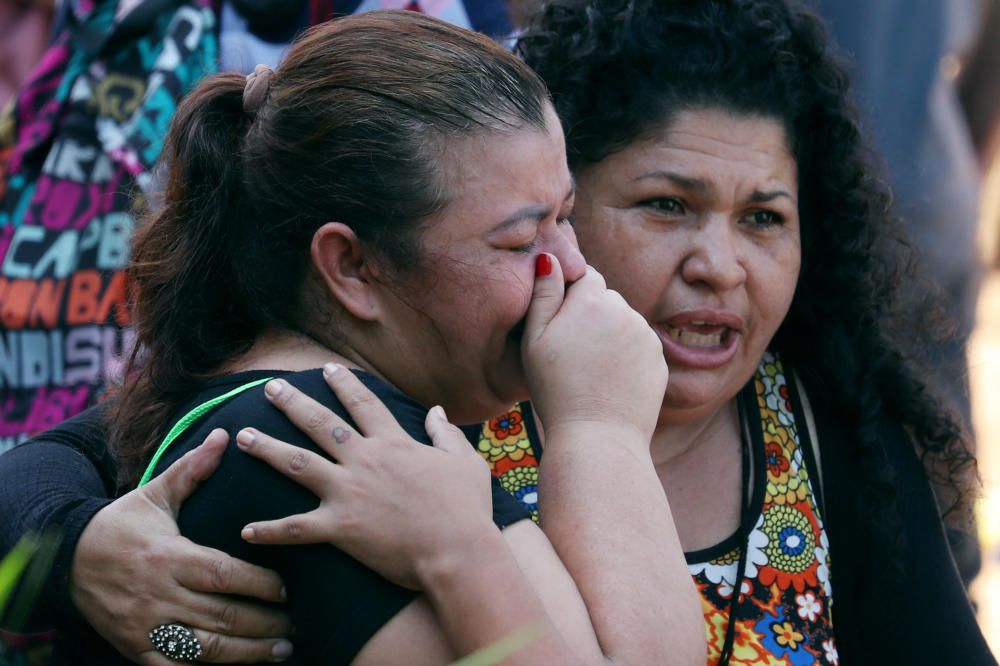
<point x="176" y="641"/>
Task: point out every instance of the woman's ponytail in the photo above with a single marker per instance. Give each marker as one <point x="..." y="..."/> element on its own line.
<point x="189" y="313"/>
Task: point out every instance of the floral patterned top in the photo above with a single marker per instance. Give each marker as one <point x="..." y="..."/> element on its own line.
<point x="783" y="611"/>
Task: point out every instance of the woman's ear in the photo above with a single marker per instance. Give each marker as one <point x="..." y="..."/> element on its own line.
<point x="345" y="269"/>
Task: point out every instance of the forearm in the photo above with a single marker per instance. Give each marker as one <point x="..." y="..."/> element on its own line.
<point x="48" y="487"/>
<point x="500" y="609"/>
<point x="604" y="510"/>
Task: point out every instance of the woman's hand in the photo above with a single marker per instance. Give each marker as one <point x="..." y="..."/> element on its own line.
<point x="406" y="510"/>
<point x="589" y="356"/>
<point x="132" y="571"/>
<point x="597" y="377"/>
<point x="420" y="516"/>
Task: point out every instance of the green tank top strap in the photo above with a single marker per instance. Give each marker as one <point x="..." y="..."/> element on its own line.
<point x="189" y="419"/>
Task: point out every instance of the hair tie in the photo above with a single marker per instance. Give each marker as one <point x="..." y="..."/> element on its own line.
<point x="257" y="86"/>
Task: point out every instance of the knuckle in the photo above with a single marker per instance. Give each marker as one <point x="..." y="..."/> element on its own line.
<point x="142" y="602"/>
<point x="153" y="558"/>
<point x="370" y="464"/>
<point x="298" y="462"/>
<point x="345" y="523"/>
<point x="228" y="617"/>
<point x="211" y="647"/>
<point x="221" y="578"/>
<point x="359" y="400"/>
<point x="294" y="529"/>
<point x="318" y="420"/>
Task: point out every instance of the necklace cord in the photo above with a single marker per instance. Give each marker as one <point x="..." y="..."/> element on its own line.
<point x="726" y="654"/>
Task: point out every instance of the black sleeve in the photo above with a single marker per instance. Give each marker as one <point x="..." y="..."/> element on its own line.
<point x="56" y="481"/>
<point x="883" y="615"/>
<point x="336" y="603"/>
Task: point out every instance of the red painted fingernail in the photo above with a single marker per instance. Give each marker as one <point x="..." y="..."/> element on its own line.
<point x="543" y="265"/>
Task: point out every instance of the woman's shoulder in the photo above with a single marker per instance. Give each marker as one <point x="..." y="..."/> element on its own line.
<point x="249" y="406"/>
<point x="337" y="604"/>
<point x="237" y="401"/>
<point x="895" y="595"/>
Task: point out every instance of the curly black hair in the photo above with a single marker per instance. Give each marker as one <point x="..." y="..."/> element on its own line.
<point x="619" y="70"/>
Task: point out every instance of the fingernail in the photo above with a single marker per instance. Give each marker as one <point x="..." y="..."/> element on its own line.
<point x="281" y="650"/>
<point x="543" y="265"/>
<point x="273" y="388"/>
<point x="439" y="412"/>
<point x="283" y="593"/>
<point x="245" y="437"/>
<point x="330" y="369"/>
<point x="248" y="534"/>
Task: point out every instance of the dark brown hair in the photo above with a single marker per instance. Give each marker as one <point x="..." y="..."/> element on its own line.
<point x="351" y="130"/>
<point x="620" y="69"/>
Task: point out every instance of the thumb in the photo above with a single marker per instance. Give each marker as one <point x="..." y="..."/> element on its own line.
<point x="546" y="297"/>
<point x="444" y="434"/>
<point x="170" y="489"/>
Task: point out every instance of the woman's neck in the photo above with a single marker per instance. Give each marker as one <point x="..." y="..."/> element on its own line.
<point x="676" y="438"/>
<point x="291" y="351"/>
<point x="700" y="465"/>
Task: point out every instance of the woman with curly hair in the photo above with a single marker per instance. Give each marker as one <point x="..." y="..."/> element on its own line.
<point x="724" y="190"/>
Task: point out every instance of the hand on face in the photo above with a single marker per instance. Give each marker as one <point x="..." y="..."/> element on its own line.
<point x="588" y="356"/>
<point x="133" y="571"/>
<point x="401" y="508"/>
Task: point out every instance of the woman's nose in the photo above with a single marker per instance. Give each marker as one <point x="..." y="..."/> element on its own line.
<point x="567" y="251"/>
<point x="714" y="257"/>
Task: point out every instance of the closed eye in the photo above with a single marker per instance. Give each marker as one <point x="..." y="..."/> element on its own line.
<point x="525" y="248"/>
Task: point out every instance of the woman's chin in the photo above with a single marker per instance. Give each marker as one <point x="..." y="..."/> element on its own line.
<point x="686" y="402"/>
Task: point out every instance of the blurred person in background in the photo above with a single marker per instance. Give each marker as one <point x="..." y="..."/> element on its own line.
<point x="906" y="58"/>
<point x="980" y="92"/>
<point x="76" y="154"/>
<point x="24" y="36"/>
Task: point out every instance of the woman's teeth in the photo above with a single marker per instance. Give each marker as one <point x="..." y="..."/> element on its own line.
<point x="692" y="339"/>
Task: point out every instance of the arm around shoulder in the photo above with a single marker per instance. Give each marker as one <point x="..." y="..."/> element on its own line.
<point x="55" y="484"/>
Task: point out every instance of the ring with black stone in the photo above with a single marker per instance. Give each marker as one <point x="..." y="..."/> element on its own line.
<point x="176" y="642"/>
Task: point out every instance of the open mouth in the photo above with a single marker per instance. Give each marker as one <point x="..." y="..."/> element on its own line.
<point x="701" y="338"/>
<point x="699" y="334"/>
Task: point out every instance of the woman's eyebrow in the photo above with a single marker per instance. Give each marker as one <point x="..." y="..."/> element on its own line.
<point x="699" y="185"/>
<point x="762" y="197"/>
<point x="534" y="212"/>
<point x="686" y="182"/>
